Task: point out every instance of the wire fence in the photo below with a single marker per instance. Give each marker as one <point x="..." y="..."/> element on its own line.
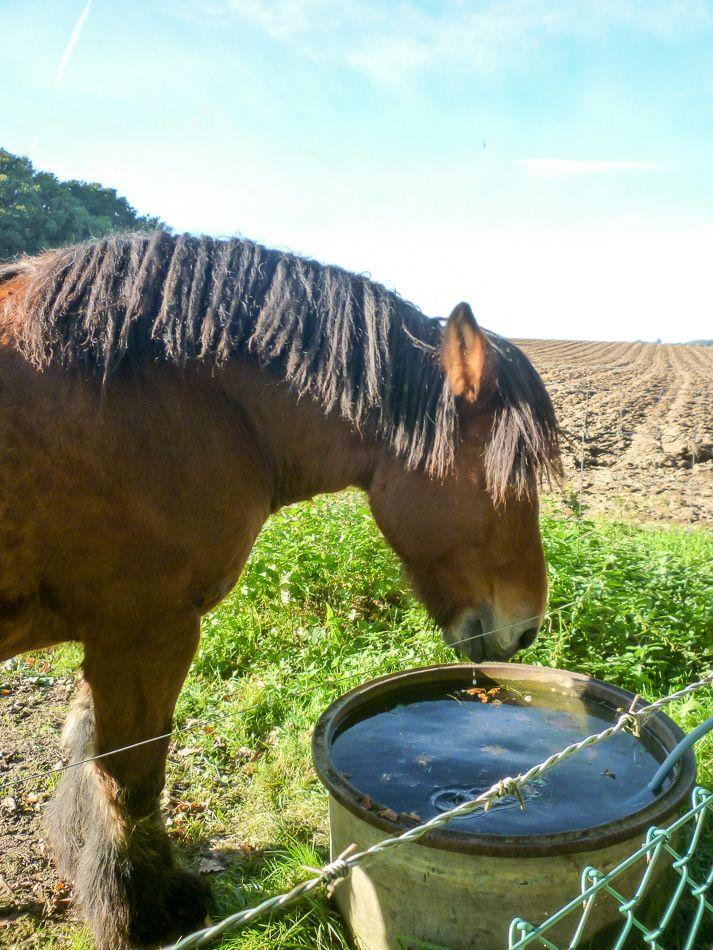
<point x="596" y="886"/>
<point x="342" y="682"/>
<point x="343" y="865"/>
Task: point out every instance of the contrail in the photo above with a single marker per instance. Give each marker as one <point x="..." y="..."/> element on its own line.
<point x="196" y="118"/>
<point x="72" y="42"/>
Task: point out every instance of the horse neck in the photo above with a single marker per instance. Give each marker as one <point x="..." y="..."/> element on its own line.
<point x="305" y="451"/>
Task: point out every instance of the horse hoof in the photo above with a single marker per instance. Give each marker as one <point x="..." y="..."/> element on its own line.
<point x="189" y="902"/>
<point x="141" y="918"/>
<point x="182" y="909"/>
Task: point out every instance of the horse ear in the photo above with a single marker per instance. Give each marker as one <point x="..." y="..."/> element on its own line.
<point x="465" y="354"/>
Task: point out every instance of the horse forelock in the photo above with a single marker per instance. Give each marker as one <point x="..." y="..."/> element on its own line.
<point x="524" y="446"/>
<point x="359" y="349"/>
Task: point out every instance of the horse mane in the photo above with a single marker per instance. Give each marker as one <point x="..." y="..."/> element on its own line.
<point x="121" y="302"/>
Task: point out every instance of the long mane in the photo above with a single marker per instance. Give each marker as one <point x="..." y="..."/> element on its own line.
<point x="122" y="302"/>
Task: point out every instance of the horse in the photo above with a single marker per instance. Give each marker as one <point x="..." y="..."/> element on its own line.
<point x="160" y="397"/>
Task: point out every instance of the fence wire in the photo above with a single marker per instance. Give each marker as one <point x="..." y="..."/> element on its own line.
<point x="595" y="885"/>
<point x="345" y="681"/>
<point x="342" y="866"/>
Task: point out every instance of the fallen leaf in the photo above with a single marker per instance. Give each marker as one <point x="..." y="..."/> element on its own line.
<point x="389" y="814"/>
<point x="211" y="866"/>
<point x="189" y="806"/>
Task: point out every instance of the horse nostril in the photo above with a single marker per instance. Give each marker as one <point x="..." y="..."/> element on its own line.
<point x="528" y="638"/>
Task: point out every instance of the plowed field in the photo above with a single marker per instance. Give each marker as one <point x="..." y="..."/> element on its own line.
<point x="638" y="419"/>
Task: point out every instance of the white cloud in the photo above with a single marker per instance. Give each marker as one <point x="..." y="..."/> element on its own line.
<point x="391" y="41"/>
<point x="621" y="283"/>
<point x="73" y="40"/>
<point x="569" y="167"/>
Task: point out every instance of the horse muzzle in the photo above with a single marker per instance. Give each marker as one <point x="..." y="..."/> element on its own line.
<point x="478" y="637"/>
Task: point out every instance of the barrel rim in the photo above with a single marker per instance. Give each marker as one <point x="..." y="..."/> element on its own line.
<point x="659" y="725"/>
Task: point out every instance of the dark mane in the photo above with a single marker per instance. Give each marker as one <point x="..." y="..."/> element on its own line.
<point x="121" y="302"/>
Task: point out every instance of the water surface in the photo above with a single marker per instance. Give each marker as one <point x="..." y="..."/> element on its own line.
<point x="431" y="752"/>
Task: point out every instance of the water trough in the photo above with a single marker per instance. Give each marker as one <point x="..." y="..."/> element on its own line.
<point x="396" y="751"/>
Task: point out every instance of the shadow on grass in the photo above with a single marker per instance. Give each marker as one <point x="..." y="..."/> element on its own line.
<point x="241" y="878"/>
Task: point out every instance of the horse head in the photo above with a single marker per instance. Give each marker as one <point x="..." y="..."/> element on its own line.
<point x="470" y="540"/>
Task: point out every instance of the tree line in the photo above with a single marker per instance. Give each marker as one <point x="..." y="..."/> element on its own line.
<point x="38" y="210"/>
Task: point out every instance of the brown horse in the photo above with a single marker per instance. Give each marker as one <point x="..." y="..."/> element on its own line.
<point x="160" y="396"/>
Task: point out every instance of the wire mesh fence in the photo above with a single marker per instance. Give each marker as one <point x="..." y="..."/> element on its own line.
<point x="678" y="845"/>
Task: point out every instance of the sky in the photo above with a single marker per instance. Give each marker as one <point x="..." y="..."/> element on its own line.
<point x="550" y="161"/>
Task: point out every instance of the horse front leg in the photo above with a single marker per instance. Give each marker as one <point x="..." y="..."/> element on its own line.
<point x="105" y="823"/>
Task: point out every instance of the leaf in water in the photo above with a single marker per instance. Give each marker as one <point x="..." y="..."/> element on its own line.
<point x="493" y="749"/>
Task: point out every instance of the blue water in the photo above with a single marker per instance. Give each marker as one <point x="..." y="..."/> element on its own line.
<point x="428" y="754"/>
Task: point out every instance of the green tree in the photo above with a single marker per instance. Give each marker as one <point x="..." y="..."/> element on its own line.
<point x="38" y="211"/>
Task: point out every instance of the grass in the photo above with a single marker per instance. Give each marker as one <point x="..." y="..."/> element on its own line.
<point x="321" y="607"/>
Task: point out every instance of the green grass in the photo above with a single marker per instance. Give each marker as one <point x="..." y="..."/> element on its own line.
<point x="321" y="607"/>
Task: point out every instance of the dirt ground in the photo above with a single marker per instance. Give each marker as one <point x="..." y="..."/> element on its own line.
<point x="638" y="419"/>
<point x="32" y="709"/>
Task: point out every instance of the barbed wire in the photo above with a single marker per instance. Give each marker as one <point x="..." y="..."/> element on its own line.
<point x="341" y="867"/>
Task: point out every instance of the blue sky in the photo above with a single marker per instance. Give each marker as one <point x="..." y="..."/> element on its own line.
<point x="551" y="161"/>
